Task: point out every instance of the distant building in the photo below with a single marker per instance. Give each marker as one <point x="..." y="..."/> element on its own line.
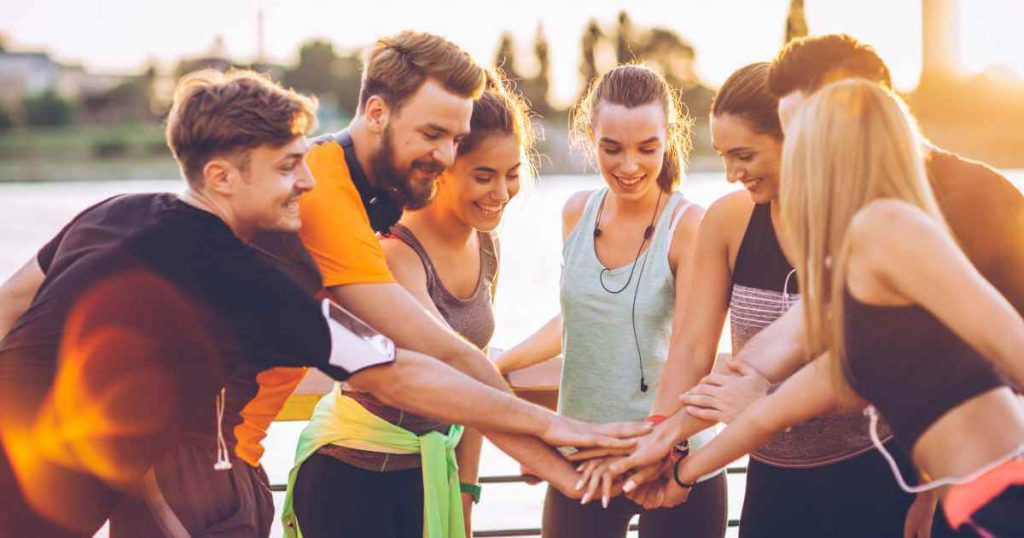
<point x="27" y="73"/>
<point x="23" y="74"/>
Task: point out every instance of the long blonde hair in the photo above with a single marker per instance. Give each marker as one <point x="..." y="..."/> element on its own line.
<point x="851" y="143"/>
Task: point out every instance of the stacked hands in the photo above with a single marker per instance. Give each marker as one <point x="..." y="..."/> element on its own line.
<point x="653" y="469"/>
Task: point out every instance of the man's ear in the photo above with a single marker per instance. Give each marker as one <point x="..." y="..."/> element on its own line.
<point x="219" y="175"/>
<point x="377" y="113"/>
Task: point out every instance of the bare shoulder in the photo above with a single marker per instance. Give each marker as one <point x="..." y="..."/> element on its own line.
<point x="728" y="216"/>
<point x="888" y="233"/>
<point x="403" y="261"/>
<point x="573" y="210"/>
<point x="888" y="219"/>
<point x="688" y="222"/>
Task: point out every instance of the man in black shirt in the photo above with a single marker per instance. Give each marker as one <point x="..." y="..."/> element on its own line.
<point x="119" y="362"/>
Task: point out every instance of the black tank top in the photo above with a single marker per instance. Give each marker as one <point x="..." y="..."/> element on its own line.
<point x="910" y="366"/>
<point x="760" y="263"/>
<point x="764" y="288"/>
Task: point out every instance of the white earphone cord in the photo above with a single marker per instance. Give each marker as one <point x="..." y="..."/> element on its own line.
<point x="948" y="481"/>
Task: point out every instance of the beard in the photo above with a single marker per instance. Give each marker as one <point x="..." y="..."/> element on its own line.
<point x="411" y="192"/>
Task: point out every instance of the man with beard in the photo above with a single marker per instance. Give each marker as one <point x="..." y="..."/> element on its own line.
<point x="415" y="105"/>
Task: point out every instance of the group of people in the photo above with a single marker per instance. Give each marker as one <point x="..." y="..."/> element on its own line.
<point x="872" y="280"/>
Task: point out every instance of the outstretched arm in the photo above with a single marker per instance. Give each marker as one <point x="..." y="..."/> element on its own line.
<point x="390" y="309"/>
<point x="543" y="345"/>
<point x="809" y="393"/>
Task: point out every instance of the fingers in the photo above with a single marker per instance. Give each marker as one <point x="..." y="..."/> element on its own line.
<point x="641" y="475"/>
<point x="700" y="399"/>
<point x="656" y="499"/>
<point x="606" y="489"/>
<point x="593" y="483"/>
<point x="592" y="453"/>
<point x="631" y="462"/>
<point x="711" y="415"/>
<point x="716" y="380"/>
<point x="585" y="470"/>
<point x="624" y="430"/>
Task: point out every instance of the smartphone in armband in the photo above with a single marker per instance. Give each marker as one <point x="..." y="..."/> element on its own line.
<point x="354" y="344"/>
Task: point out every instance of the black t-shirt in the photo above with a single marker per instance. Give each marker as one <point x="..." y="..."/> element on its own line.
<point x="181" y="300"/>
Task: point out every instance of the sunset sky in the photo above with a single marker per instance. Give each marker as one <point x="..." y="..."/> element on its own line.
<point x="121" y="35"/>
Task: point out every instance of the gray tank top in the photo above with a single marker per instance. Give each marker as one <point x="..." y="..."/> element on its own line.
<point x="600" y="374"/>
<point x="472" y="318"/>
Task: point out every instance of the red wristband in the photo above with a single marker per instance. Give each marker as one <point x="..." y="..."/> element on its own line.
<point x="656" y="419"/>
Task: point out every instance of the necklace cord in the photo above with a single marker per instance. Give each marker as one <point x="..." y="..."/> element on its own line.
<point x="648" y="234"/>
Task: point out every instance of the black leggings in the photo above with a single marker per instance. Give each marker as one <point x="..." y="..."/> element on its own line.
<point x="335" y="499"/>
<point x="703" y="515"/>
<point x="855" y="498"/>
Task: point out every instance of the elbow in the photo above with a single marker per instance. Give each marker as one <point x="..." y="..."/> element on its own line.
<point x="385" y="382"/>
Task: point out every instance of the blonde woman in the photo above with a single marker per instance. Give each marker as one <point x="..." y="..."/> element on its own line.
<point x="906" y="323"/>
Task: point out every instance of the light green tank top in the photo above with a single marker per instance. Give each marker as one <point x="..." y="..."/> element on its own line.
<point x="601" y="372"/>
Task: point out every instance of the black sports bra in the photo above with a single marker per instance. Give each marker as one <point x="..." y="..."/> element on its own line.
<point x="910" y="366"/>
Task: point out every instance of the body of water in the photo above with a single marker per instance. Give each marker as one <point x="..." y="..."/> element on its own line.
<point x="31" y="213"/>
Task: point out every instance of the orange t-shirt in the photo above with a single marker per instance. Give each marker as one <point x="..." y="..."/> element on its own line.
<point x="275" y="386"/>
<point x="336" y="228"/>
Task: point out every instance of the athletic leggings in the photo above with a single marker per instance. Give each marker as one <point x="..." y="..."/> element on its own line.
<point x="335" y="499"/>
<point x="855" y="498"/>
<point x="703" y="515"/>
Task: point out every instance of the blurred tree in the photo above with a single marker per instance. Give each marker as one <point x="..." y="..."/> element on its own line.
<point x="326" y="73"/>
<point x="626" y="45"/>
<point x="131" y="101"/>
<point x="3" y="42"/>
<point x="505" y="58"/>
<point x="796" y="21"/>
<point x="315" y="72"/>
<point x="6" y="121"/>
<point x="666" y="51"/>
<point x="348" y="79"/>
<point x="47" y="110"/>
<point x="535" y="89"/>
<point x="588" y="59"/>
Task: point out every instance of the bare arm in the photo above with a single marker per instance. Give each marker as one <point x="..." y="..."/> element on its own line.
<point x="428" y="387"/>
<point x="546" y="343"/>
<point x="543" y="345"/>
<point x="777" y="351"/>
<point x="702" y="299"/>
<point x="807" y="394"/>
<point x="393" y="311"/>
<point x="16" y="294"/>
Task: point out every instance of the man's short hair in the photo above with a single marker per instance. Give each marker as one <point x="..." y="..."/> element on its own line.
<point x="396" y="66"/>
<point x="808" y="63"/>
<point x="219" y="114"/>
